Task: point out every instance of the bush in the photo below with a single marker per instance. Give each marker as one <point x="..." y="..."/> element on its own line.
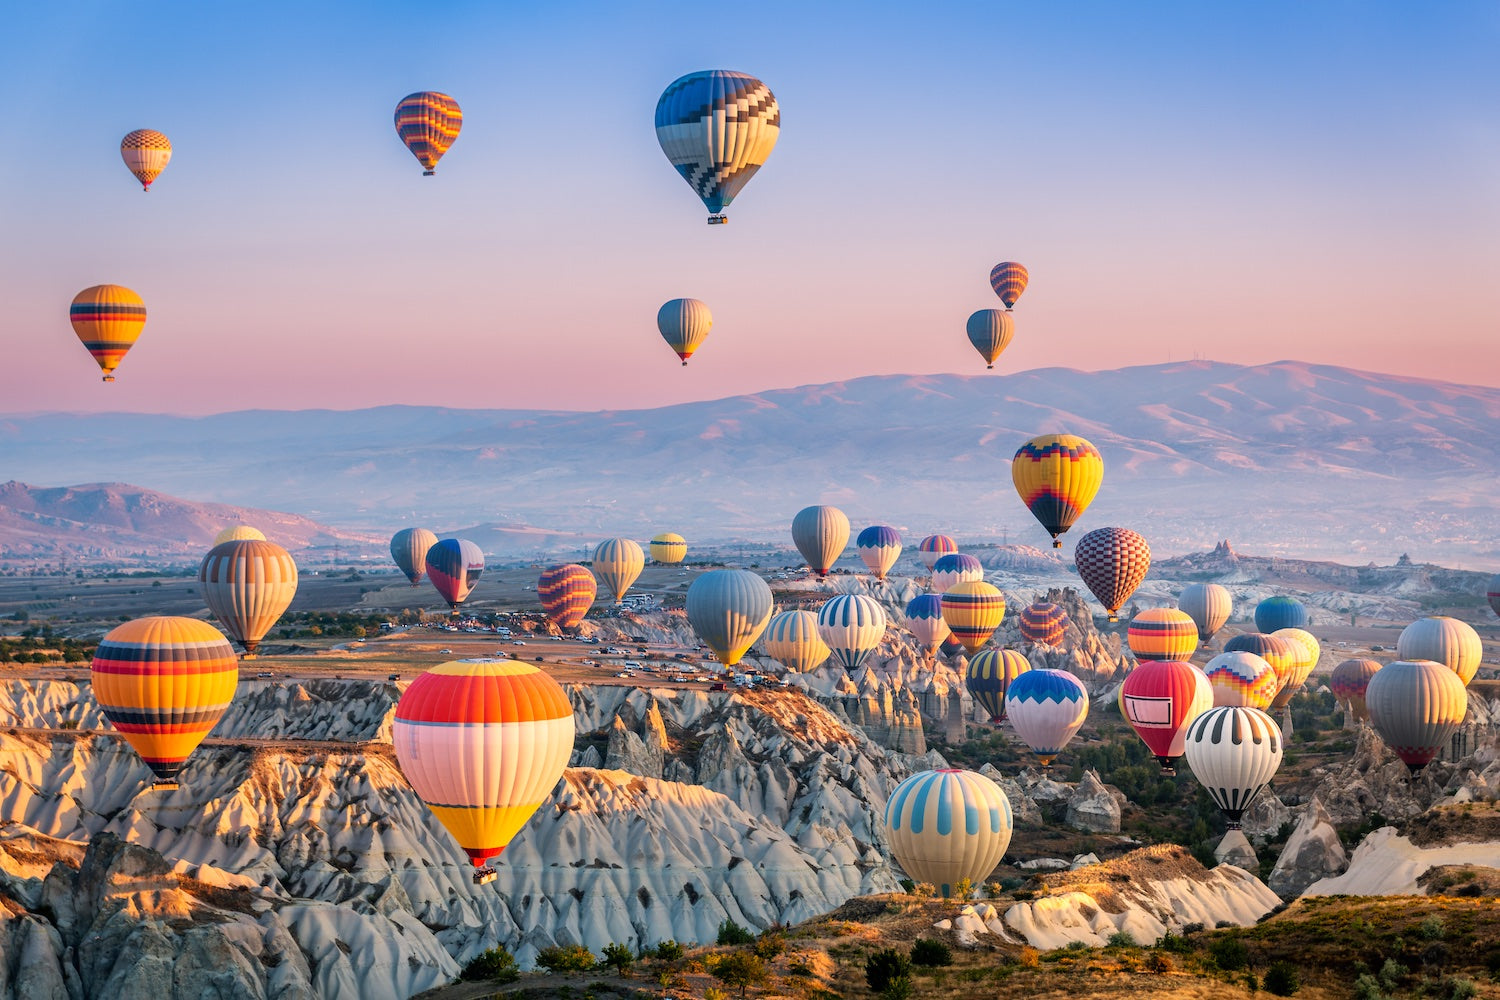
<point x="907" y="886"/>
<point x="1229" y="954"/>
<point x="1457" y="988"/>
<point x="926" y="890"/>
<point x="669" y="951"/>
<point x="1029" y="957"/>
<point x="1282" y="979"/>
<point x="1367" y="987"/>
<point x="885" y="965"/>
<point x="770" y="944"/>
<point x="619" y="957"/>
<point x="1431" y="929"/>
<point x="930" y="952"/>
<point x="732" y="934"/>
<point x="1120" y="939"/>
<point x="1159" y="961"/>
<point x="1171" y="942"/>
<point x="899" y="988"/>
<point x="497" y="965"/>
<point x="573" y="958"/>
<point x="963" y="888"/>
<point x="1391" y="974"/>
<point x="740" y="969"/>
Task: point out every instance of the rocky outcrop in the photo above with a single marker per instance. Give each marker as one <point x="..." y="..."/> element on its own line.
<point x="1234" y="849"/>
<point x="1265" y="817"/>
<point x="1092" y="808"/>
<point x="1313" y="852"/>
<point x="1388" y="864"/>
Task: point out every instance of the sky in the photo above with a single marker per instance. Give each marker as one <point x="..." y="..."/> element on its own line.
<point x="1239" y="182"/>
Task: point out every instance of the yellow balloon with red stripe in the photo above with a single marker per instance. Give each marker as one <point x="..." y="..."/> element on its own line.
<point x="483" y="743"/>
<point x="247" y="584"/>
<point x="163" y="683"/>
<point x="108" y="320"/>
<point x="1163" y="634"/>
<point x="973" y="610"/>
<point x="1057" y="476"/>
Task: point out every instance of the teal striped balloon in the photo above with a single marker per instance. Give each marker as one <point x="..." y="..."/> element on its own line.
<point x="729" y="608"/>
<point x="947" y="825"/>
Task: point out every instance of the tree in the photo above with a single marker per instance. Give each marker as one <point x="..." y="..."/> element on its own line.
<point x="573" y="958"/>
<point x="885" y="965"/>
<point x="740" y="969"/>
<point x="732" y="934"/>
<point x="497" y="965"/>
<point x="620" y="957"/>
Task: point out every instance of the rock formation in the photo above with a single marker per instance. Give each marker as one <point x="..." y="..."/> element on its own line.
<point x="1313" y="851"/>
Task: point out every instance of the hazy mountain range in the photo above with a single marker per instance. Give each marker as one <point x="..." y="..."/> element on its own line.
<point x="1287" y="458"/>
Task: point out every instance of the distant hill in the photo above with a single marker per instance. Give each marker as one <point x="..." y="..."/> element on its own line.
<point x="118" y="523"/>
<point x="1292" y="459"/>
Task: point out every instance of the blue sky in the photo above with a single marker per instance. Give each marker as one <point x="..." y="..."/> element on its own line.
<point x="1241" y="182"/>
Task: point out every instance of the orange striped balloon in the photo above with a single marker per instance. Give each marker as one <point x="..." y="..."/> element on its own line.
<point x="108" y="319"/>
<point x="1280" y="653"/>
<point x="973" y="610"/>
<point x="247" y="585"/>
<point x="1162" y="634"/>
<point x="428" y="122"/>
<point x="1008" y="279"/>
<point x="164" y="683"/>
<point x="483" y="742"/>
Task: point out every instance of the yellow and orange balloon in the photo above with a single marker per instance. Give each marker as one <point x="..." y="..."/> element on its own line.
<point x="108" y="319"/>
<point x="1057" y="477"/>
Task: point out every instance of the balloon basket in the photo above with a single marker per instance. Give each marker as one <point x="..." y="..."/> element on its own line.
<point x="484" y="876"/>
<point x="717" y="220"/>
<point x="108" y="378"/>
<point x="428" y="173"/>
<point x="164" y="785"/>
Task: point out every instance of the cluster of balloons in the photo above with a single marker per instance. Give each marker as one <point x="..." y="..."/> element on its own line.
<point x="991" y="330"/>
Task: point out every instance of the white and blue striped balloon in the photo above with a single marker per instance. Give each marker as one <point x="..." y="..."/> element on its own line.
<point x="948" y="825"/>
<point x="852" y="625"/>
<point x="1046" y="707"/>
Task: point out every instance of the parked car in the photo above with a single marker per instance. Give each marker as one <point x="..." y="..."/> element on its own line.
<point x="518" y="642"/>
<point x="718" y="686"/>
<point x="445" y="652"/>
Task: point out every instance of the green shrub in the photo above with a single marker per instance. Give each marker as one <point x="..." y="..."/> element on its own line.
<point x="930" y="952"/>
<point x="740" y="969"/>
<point x="669" y="951"/>
<point x="1171" y="942"/>
<point x="1391" y="974"/>
<point x="1282" y="979"/>
<point x="1457" y="988"/>
<point x="732" y="934"/>
<point x="619" y="957"/>
<point x="497" y="965"/>
<point x="572" y="958"/>
<point x="1229" y="954"/>
<point x="1120" y="939"/>
<point x="885" y="965"/>
<point x="1431" y="929"/>
<point x="1367" y="987"/>
<point x="899" y="988"/>
<point x="770" y="944"/>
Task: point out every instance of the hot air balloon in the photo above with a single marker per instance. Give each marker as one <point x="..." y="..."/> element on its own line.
<point x="684" y="324"/>
<point x="247" y="585"/>
<point x="409" y="548"/>
<point x="880" y="547"/>
<point x="1162" y="634"/>
<point x="1276" y="613"/>
<point x="163" y="683"/>
<point x="1234" y="753"/>
<point x="950" y="647"/>
<point x="108" y="319"/>
<point x="1008" y="279"/>
<point x="1305" y="655"/>
<point x="239" y="533"/>
<point x="1492" y="593"/>
<point x="1057" y="476"/>
<point x="1113" y="562"/>
<point x="1209" y="605"/>
<point x="852" y="625"/>
<point x="668" y="548"/>
<point x="1444" y="640"/>
<point x="948" y="825"/>
<point x="482" y="743"/>
<point x="146" y="153"/>
<point x="989" y="677"/>
<point x="618" y="562"/>
<point x="729" y="609"/>
<point x="1238" y="679"/>
<point x="1349" y="683"/>
<point x="1044" y="623"/>
<point x="454" y="566"/>
<point x="1415" y="705"/>
<point x="991" y="331"/>
<point x="717" y="128"/>
<point x="1046" y="707"/>
<point x="924" y="619"/>
<point x="955" y="568"/>
<point x="973" y="610"/>
<point x="792" y="640"/>
<point x="428" y="122"/>
<point x="566" y="592"/>
<point x="934" y="547"/>
<point x="1274" y="649"/>
<point x="820" y="533"/>
<point x="1160" y="699"/>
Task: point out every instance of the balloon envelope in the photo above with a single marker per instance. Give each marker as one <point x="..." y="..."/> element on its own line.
<point x="409" y="547"/>
<point x="1162" y="634"/>
<point x="566" y="592"/>
<point x="1159" y="700"/>
<point x="1305" y="654"/>
<point x="1044" y="622"/>
<point x="934" y="547"/>
<point x="717" y="128"/>
<point x="820" y="533"/>
<point x="239" y="533"/>
<point x="428" y="122"/>
<point x="1008" y="279"/>
<point x="1276" y="613"/>
<point x="146" y="153"/>
<point x="107" y="319"/>
<point x="684" y="325"/>
<point x="247" y="585"/>
<point x="483" y="743"/>
<point x="1209" y="605"/>
<point x="669" y="548"/>
<point x="955" y="568"/>
<point x="1444" y="640"/>
<point x="163" y="683"/>
<point x="852" y="625"/>
<point x="948" y="825"/>
<point x="1046" y="707"/>
<point x="1112" y="562"/>
<point x="924" y="619"/>
<point x="1349" y="683"/>
<point x="991" y="331"/>
<point x="454" y="566"/>
<point x="729" y="608"/>
<point x="1415" y="705"/>
<point x="1057" y="477"/>
<point x="792" y="640"/>
<point x="618" y="562"/>
<point x="1274" y="649"/>
<point x="989" y="677"/>
<point x="1239" y="679"/>
<point x="879" y="547"/>
<point x="1492" y="593"/>
<point x="1234" y="753"/>
<point x="973" y="610"/>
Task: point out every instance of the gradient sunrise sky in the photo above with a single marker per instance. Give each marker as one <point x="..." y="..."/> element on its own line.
<point x="1243" y="182"/>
